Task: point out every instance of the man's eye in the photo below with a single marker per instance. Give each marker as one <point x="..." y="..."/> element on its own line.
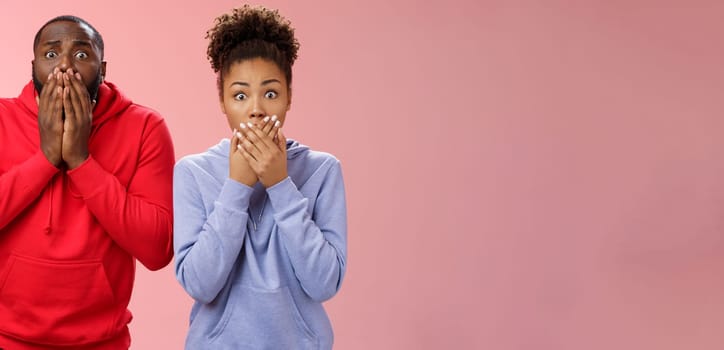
<point x="51" y="54"/>
<point x="81" y="55"/>
<point x="270" y="94"/>
<point x="240" y="97"/>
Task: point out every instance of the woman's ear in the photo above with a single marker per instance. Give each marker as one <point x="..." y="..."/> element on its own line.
<point x="221" y="93"/>
<point x="289" y="102"/>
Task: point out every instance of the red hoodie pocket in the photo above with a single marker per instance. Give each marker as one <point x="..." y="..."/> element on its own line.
<point x="55" y="302"/>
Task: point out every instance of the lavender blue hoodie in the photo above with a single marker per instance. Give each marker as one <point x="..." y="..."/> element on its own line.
<point x="259" y="262"/>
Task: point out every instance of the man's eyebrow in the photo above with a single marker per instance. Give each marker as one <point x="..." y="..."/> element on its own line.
<point x="82" y="42"/>
<point x="75" y="43"/>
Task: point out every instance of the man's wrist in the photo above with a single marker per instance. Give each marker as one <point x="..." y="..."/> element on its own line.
<point x="76" y="162"/>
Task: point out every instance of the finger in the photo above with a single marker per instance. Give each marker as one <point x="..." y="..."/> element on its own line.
<point x="82" y="91"/>
<point x="80" y="97"/>
<point x="250" y="160"/>
<point x="46" y="94"/>
<point x="59" y="77"/>
<point x="68" y="106"/>
<point x="74" y="102"/>
<point x="47" y="88"/>
<point x="281" y="141"/>
<point x="261" y="139"/>
<point x="247" y="146"/>
<point x="234" y="143"/>
<point x="267" y="125"/>
<point x="68" y="110"/>
<point x="275" y="123"/>
<point x="270" y="130"/>
<point x="250" y="138"/>
<point x="56" y="112"/>
<point x="275" y="130"/>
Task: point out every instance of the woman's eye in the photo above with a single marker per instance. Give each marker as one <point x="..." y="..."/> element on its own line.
<point x="81" y="55"/>
<point x="240" y="97"/>
<point x="51" y="54"/>
<point x="270" y="94"/>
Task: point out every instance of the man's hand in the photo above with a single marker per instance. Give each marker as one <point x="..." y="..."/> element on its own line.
<point x="50" y="118"/>
<point x="78" y="116"/>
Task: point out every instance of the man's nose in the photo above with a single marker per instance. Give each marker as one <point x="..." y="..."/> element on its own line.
<point x="65" y="63"/>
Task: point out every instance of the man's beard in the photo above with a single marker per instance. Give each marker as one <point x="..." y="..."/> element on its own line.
<point x="92" y="90"/>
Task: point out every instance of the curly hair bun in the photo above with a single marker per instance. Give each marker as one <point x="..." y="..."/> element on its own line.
<point x="251" y="31"/>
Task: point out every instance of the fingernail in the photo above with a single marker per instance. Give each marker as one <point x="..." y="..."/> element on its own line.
<point x="250" y="124"/>
<point x="238" y="134"/>
<point x="277" y="123"/>
<point x="274" y="117"/>
<point x="238" y="147"/>
<point x="77" y="75"/>
<point x="266" y="119"/>
<point x="241" y="125"/>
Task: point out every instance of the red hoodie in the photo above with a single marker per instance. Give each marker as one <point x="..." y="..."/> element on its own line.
<point x="69" y="239"/>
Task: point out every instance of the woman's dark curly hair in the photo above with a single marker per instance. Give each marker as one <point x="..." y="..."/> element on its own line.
<point x="251" y="32"/>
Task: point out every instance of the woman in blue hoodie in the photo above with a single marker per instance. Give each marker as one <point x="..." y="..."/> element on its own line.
<point x="260" y="225"/>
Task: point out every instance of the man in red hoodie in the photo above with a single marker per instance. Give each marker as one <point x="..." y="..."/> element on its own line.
<point x="85" y="190"/>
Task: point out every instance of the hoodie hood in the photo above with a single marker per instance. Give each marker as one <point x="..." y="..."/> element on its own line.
<point x="111" y="101"/>
<point x="294" y="148"/>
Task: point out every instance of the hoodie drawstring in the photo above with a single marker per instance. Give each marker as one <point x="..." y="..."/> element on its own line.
<point x="50" y="209"/>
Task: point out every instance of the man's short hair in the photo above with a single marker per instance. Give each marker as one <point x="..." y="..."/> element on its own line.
<point x="97" y="38"/>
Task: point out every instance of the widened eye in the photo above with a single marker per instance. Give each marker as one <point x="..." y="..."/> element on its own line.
<point x="81" y="55"/>
<point x="240" y="96"/>
<point x="271" y="94"/>
<point x="51" y="54"/>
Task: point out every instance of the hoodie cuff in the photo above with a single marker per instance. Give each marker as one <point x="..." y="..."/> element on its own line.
<point x="284" y="194"/>
<point x="40" y="167"/>
<point x="88" y="177"/>
<point x="235" y="195"/>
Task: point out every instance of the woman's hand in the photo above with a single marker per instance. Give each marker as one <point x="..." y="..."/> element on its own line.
<point x="265" y="149"/>
<point x="239" y="169"/>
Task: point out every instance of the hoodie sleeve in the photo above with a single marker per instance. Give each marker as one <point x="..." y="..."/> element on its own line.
<point x="207" y="247"/>
<point x="317" y="245"/>
<point x="18" y="189"/>
<point x="139" y="218"/>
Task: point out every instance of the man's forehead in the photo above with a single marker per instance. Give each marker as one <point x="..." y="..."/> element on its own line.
<point x="67" y="30"/>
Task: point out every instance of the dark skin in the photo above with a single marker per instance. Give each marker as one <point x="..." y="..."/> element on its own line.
<point x="68" y="62"/>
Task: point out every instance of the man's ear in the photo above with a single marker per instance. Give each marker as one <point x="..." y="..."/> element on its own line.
<point x="103" y="71"/>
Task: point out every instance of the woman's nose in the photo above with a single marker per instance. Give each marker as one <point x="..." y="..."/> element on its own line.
<point x="256" y="110"/>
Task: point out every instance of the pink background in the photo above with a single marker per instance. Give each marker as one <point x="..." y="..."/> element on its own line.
<point x="520" y="174"/>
